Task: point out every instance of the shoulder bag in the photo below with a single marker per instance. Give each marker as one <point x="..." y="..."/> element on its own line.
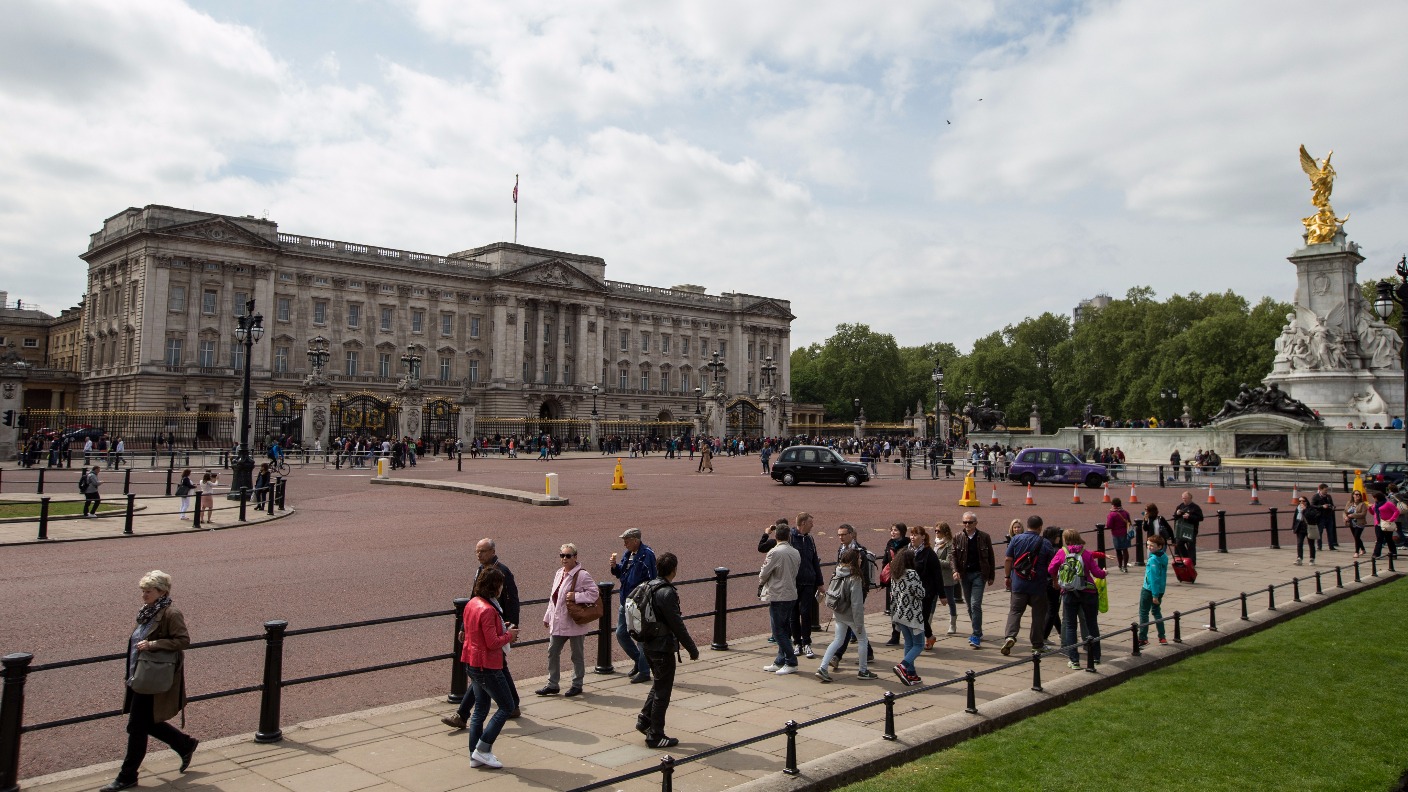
<point x="584" y="613"/>
<point x="155" y="672"/>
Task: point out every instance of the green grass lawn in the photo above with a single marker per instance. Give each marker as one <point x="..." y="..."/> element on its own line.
<point x="1316" y="703"/>
<point x="56" y="509"/>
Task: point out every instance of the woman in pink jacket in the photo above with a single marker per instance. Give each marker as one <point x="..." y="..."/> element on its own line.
<point x="1079" y="601"/>
<point x="485" y="637"/>
<point x="571" y="585"/>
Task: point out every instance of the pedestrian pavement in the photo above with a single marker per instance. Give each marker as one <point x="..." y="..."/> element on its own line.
<point x="149" y="516"/>
<point x="559" y="743"/>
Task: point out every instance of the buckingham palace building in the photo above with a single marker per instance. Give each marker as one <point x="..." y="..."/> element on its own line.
<point x="502" y="338"/>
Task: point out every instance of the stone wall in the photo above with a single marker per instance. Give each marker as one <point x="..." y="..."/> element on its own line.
<point x="1355" y="447"/>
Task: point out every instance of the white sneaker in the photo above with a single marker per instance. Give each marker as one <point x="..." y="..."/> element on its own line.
<point x="807" y="650"/>
<point x="785" y="670"/>
<point x="485" y="759"/>
<point x="772" y="668"/>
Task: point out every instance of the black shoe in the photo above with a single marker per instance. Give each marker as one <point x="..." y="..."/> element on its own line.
<point x="637" y="679"/>
<point x="515" y="714"/>
<point x="186" y="757"/>
<point x="573" y="691"/>
<point x="658" y="742"/>
<point x="643" y="726"/>
<point x="546" y="691"/>
<point x="116" y="785"/>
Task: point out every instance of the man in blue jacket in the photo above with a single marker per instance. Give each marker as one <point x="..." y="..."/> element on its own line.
<point x="634" y="568"/>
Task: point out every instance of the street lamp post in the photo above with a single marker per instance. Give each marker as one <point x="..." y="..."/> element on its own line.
<point x="318" y="354"/>
<point x="1389" y="295"/>
<point x="1170" y="399"/>
<point x="698" y="408"/>
<point x="412" y="363"/>
<point x="595" y="391"/>
<point x="714" y="368"/>
<point x="249" y="328"/>
<point x="856" y="404"/>
<point x="938" y="377"/>
<point x="784" y="414"/>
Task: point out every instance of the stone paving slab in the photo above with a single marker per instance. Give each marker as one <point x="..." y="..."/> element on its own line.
<point x="149" y="516"/>
<point x="559" y="744"/>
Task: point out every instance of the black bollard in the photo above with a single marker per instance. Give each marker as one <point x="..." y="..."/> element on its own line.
<point x="269" y="500"/>
<point x="1221" y="530"/>
<point x="1134" y="633"/>
<point x="1275" y="535"/>
<point x="1161" y="477"/>
<point x="127" y="518"/>
<point x="1271" y="598"/>
<point x="1357" y="578"/>
<point x="889" y="717"/>
<point x="459" y="463"/>
<point x="667" y="773"/>
<point x="283" y="488"/>
<point x="972" y="677"/>
<point x="1100" y="542"/>
<point x="1295" y="589"/>
<point x="43" y="517"/>
<point x="40" y="490"/>
<point x="1089" y="655"/>
<point x="1212" y="615"/>
<point x="1373" y="566"/>
<point x="127" y="481"/>
<point x="1036" y="671"/>
<point x="168" y="483"/>
<point x="195" y="523"/>
<point x="459" y="679"/>
<point x="604" y="629"/>
<point x="271" y="695"/>
<point x="789" y="766"/>
<point x="1177" y="627"/>
<point x="1139" y="542"/>
<point x="1245" y="615"/>
<point x="244" y="502"/>
<point x="16" y="671"/>
<point x="1339" y="577"/>
<point x="720" y="609"/>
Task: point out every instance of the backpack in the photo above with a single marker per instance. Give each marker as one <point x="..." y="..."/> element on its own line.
<point x="1070" y="576"/>
<point x="838" y="593"/>
<point x="1026" y="564"/>
<point x="83" y="483"/>
<point x="641" y="623"/>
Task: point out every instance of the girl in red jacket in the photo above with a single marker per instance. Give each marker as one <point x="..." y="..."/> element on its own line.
<point x="485" y="640"/>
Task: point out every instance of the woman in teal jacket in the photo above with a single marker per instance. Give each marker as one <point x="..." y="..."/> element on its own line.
<point x="1155" y="581"/>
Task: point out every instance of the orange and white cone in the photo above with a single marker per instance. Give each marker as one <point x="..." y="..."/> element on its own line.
<point x="1255" y="500"/>
<point x="1212" y="498"/>
<point x="1295" y="495"/>
<point x="1133" y="495"/>
<point x="1030" y="502"/>
<point x="1106" y="498"/>
<point x="994" y="496"/>
<point x="1075" y="493"/>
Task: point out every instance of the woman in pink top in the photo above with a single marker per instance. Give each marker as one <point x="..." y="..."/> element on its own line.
<point x="485" y="639"/>
<point x="1385" y="524"/>
<point x="1079" y="600"/>
<point x="570" y="585"/>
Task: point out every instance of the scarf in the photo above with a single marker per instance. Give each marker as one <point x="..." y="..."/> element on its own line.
<point x="149" y="612"/>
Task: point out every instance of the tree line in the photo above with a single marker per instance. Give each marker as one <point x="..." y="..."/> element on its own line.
<point x="1119" y="359"/>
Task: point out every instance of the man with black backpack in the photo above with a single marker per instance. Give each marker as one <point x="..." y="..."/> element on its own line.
<point x="1028" y="555"/>
<point x="88" y="485"/>
<point x="661" y="634"/>
<point x="846" y="535"/>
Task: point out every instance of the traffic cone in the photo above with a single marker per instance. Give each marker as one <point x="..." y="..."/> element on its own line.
<point x="1133" y="496"/>
<point x="1255" y="500"/>
<point x="1211" y="497"/>
<point x="1030" y="502"/>
<point x="970" y="492"/>
<point x="1295" y="495"/>
<point x="1106" y="498"/>
<point x="619" y="481"/>
<point x="1075" y="493"/>
<point x="994" y="496"/>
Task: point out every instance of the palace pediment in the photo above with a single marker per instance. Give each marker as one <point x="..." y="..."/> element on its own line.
<point x="553" y="273"/>
<point x="767" y="307"/>
<point x="218" y="229"/>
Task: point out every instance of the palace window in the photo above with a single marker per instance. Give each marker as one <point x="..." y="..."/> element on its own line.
<point x="281" y="359"/>
<point x="354" y="314"/>
<point x="206" y="355"/>
<point x="320" y="312"/>
<point x="176" y="299"/>
<point x="173" y="351"/>
<point x="351" y="363"/>
<point x="283" y="308"/>
<point x="207" y="302"/>
<point x="387" y="315"/>
<point x="473" y="371"/>
<point x="383" y="364"/>
<point x="417" y="321"/>
<point x="473" y="327"/>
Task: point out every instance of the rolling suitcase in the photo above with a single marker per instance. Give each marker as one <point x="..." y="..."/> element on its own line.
<point x="1183" y="569"/>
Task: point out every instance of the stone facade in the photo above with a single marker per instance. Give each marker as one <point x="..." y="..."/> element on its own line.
<point x="48" y="346"/>
<point x="514" y="331"/>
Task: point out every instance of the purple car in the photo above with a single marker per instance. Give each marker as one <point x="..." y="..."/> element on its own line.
<point x="1055" y="466"/>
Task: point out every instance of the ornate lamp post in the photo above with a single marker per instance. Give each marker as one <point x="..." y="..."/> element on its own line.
<point x="698" y="393"/>
<point x="249" y="328"/>
<point x="1390" y="295"/>
<point x="714" y="367"/>
<point x="783" y="417"/>
<point x="938" y="377"/>
<point x="856" y="404"/>
<point x="318" y="354"/>
<point x="1170" y="397"/>
<point x="595" y="391"/>
<point x="412" y="363"/>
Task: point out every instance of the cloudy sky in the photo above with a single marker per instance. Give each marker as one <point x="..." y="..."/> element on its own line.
<point x="936" y="169"/>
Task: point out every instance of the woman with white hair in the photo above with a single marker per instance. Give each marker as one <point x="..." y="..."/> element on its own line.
<point x="154" y="651"/>
<point x="573" y="590"/>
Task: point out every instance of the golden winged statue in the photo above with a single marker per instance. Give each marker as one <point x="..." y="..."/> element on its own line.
<point x="1323" y="225"/>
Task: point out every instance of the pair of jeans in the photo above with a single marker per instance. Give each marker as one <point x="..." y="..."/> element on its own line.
<point x="467" y="703"/>
<point x="803" y="615"/>
<point x="657" y="701"/>
<point x="1381" y="538"/>
<point x="1302" y="539"/>
<point x="1082" y="606"/>
<point x="1146" y="609"/>
<point x="632" y="649"/>
<point x="1357" y="529"/>
<point x="1020" y="602"/>
<point x="973" y="585"/>
<point x="1327" y="532"/>
<point x="579" y="665"/>
<point x="140" y="726"/>
<point x="913" y="645"/>
<point x="843" y="635"/>
<point x="1053" y="615"/>
<point x="930" y="601"/>
<point x="780" y="617"/>
<point x="91" y="502"/>
<point x="486" y="685"/>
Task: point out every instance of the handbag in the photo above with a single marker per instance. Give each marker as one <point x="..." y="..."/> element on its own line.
<point x="885" y="575"/>
<point x="183" y="490"/>
<point x="583" y="613"/>
<point x="155" y="671"/>
<point x="1103" y="592"/>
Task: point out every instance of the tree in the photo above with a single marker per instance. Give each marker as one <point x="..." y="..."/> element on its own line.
<point x="858" y="363"/>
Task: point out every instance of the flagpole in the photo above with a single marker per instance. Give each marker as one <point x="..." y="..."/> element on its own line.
<point x="515" y="208"/>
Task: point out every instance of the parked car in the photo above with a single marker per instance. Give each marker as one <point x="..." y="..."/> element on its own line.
<point x="77" y="434"/>
<point x="1055" y="466"/>
<point x="1382" y="474"/>
<point x="819" y="464"/>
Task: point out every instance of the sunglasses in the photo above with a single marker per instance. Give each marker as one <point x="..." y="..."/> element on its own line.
<point x="566" y="555"/>
<point x="970" y="522"/>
